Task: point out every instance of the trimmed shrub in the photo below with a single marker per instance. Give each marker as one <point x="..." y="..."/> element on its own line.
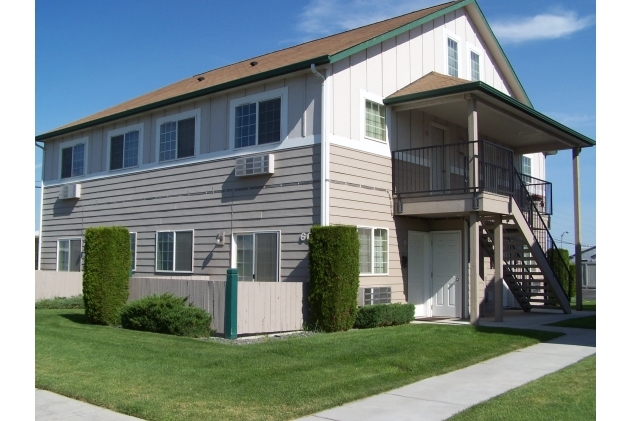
<point x="379" y="315"/>
<point x="333" y="277"/>
<point x="106" y="273"/>
<point x="60" y="303"/>
<point x="560" y="260"/>
<point x="166" y="314"/>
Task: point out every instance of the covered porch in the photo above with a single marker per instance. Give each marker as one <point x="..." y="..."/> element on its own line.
<point x="461" y="158"/>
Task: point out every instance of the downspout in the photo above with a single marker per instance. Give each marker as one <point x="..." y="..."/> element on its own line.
<point x="41" y="208"/>
<point x="324" y="154"/>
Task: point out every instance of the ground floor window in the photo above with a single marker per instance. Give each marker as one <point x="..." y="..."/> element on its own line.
<point x="257" y="256"/>
<point x="69" y="255"/>
<point x="373" y="250"/>
<point x="174" y="251"/>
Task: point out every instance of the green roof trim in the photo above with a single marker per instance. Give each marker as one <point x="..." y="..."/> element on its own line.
<point x="190" y="95"/>
<point x="481" y="86"/>
<point x="393" y="33"/>
<point x="510" y="66"/>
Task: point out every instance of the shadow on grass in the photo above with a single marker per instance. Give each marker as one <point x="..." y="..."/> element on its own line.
<point x="79" y="318"/>
<point x="540" y="335"/>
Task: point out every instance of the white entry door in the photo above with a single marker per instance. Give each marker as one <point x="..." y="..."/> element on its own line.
<point x="446" y="274"/>
<point x="419" y="272"/>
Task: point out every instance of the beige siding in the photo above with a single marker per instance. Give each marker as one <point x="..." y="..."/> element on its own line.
<point x="203" y="196"/>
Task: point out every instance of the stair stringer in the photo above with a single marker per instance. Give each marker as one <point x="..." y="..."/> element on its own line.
<point x="539" y="256"/>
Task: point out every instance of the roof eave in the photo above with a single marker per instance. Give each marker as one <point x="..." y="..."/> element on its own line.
<point x="489" y="90"/>
<point x="189" y="95"/>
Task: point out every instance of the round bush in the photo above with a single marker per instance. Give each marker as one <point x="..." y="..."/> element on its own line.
<point x="166" y="314"/>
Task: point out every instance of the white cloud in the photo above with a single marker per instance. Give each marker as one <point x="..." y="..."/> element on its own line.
<point x="539" y="27"/>
<point x="572" y="120"/>
<point x="325" y="17"/>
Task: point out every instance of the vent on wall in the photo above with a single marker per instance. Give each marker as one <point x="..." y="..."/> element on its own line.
<point x="254" y="165"/>
<point x="70" y="191"/>
<point x="375" y="295"/>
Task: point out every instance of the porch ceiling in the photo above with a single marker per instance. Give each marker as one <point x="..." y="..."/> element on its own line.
<point x="501" y="118"/>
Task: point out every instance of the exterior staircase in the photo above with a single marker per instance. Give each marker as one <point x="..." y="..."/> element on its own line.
<point x="527" y="270"/>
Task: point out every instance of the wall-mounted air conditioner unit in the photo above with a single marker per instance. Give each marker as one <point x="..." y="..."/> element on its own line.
<point x="70" y="191"/>
<point x="374" y="295"/>
<point x="254" y="165"/>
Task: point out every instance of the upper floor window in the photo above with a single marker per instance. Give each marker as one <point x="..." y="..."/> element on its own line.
<point x="373" y="251"/>
<point x="452" y="57"/>
<point x="69" y="255"/>
<point x="259" y="119"/>
<point x="124" y="147"/>
<point x="526" y="166"/>
<point x="73" y="158"/>
<point x="475" y="66"/>
<point x="178" y="135"/>
<point x="375" y="120"/>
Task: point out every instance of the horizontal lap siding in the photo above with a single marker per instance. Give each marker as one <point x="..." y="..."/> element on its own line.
<point x="359" y="196"/>
<point x="203" y="196"/>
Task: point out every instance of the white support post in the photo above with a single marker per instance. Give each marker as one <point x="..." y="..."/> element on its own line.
<point x="577" y="229"/>
<point x="474" y="260"/>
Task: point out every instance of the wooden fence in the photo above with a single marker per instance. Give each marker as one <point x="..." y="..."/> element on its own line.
<point x="262" y="307"/>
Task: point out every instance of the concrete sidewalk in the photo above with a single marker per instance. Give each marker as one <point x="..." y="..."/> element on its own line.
<point x="440" y="397"/>
<point x="436" y="398"/>
<point x="50" y="406"/>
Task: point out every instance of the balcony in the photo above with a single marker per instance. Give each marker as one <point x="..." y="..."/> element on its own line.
<point x="437" y="180"/>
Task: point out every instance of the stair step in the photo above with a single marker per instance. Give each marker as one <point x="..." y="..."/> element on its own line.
<point x="540" y="300"/>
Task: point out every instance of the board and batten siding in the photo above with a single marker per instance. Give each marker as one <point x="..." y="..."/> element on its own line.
<point x="385" y="68"/>
<point x="303" y="120"/>
<point x="203" y="196"/>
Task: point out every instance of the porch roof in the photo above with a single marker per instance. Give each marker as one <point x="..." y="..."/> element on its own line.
<point x="500" y="116"/>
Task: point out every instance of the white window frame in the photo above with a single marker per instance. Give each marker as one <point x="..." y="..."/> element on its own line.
<point x="70" y="144"/>
<point x="455" y="38"/>
<point x="283" y="94"/>
<point x="372" y="251"/>
<point x="175" y="231"/>
<point x="122" y="131"/>
<point x="365" y="95"/>
<point x="233" y="251"/>
<point x="135" y="255"/>
<point x="196" y="113"/>
<point x="473" y="49"/>
<point x="69" y="257"/>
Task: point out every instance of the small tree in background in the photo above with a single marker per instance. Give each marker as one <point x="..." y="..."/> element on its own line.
<point x="333" y="277"/>
<point x="560" y="261"/>
<point x="106" y="273"/>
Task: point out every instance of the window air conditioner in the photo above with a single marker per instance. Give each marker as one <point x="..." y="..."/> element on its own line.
<point x="70" y="191"/>
<point x="254" y="165"/>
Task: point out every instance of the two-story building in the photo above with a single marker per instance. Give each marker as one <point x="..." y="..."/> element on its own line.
<point x="415" y="129"/>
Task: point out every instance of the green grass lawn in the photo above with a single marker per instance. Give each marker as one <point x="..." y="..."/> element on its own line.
<point x="160" y="377"/>
<point x="569" y="394"/>
<point x="588" y="322"/>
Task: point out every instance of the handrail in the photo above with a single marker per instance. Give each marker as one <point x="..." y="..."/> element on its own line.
<point x="538" y="226"/>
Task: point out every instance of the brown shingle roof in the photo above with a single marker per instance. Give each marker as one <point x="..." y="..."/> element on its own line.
<point x="429" y="82"/>
<point x="323" y="47"/>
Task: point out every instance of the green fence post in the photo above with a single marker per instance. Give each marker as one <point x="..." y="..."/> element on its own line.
<point x="230" y="316"/>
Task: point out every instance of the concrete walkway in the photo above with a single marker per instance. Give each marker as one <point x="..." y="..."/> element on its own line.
<point x="440" y="397"/>
<point x="436" y="398"/>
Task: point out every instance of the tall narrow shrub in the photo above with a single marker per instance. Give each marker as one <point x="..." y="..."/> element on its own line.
<point x="333" y="277"/>
<point x="560" y="262"/>
<point x="106" y="273"/>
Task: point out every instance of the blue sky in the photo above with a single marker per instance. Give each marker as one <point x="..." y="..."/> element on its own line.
<point x="91" y="55"/>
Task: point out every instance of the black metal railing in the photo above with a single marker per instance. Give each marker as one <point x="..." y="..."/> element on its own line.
<point x="432" y="170"/>
<point x="496" y="169"/>
<point x="540" y="192"/>
<point x="530" y="210"/>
